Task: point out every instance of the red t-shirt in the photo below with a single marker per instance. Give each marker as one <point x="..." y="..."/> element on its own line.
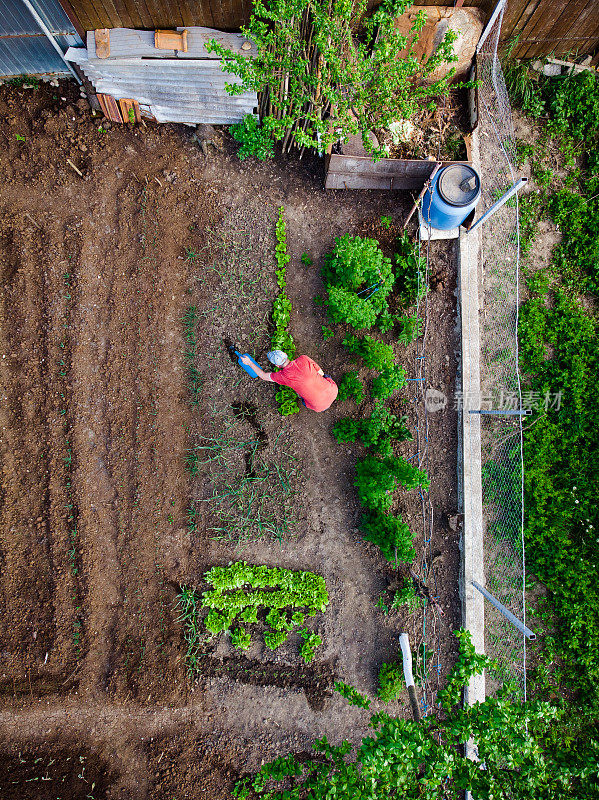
<point x="302" y="376"/>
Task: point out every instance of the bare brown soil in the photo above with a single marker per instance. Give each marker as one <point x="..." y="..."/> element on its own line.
<point x="95" y="421"/>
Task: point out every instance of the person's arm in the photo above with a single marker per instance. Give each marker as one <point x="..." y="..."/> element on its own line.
<point x="264" y="376"/>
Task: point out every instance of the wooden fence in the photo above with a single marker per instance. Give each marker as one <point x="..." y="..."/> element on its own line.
<point x="545" y="27"/>
<point x="552" y="27"/>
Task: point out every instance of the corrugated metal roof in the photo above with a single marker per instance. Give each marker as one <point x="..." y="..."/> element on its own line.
<point x="174" y="90"/>
<point x="24" y="48"/>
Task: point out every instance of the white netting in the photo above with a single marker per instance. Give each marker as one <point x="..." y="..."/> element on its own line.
<point x="501" y="435"/>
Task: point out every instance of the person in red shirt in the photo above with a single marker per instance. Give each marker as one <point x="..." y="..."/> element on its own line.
<point x="316" y="390"/>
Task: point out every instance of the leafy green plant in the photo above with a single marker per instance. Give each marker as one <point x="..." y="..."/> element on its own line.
<point x="241" y="639"/>
<point x="574" y="105"/>
<point x="350" y="385"/>
<point x="386" y="222"/>
<point x="376" y="431"/>
<point x="410" y="273"/>
<point x="255" y="139"/>
<point x="577" y="255"/>
<point x="426" y="759"/>
<point x="406" y="596"/>
<point x="238" y="593"/>
<point x="561" y="473"/>
<point x="353" y="696"/>
<point x="287" y="400"/>
<point x="358" y="279"/>
<point x="311" y="642"/>
<point x="274" y="639"/>
<point x="376" y="355"/>
<point x="303" y="70"/>
<point x="391" y="682"/>
<point x="388" y="382"/>
<point x="281" y="339"/>
<point x="409" y="329"/>
<point x="306" y="260"/>
<point x="377" y="478"/>
<point x="391" y="535"/>
<point x="327" y="333"/>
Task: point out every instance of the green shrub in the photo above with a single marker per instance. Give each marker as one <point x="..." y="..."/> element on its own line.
<point x="390" y="534"/>
<point x="391" y="682"/>
<point x="358" y="278"/>
<point x="410" y="273"/>
<point x="376" y="478"/>
<point x="375" y="431"/>
<point x="351" y="386"/>
<point x="376" y="355"/>
<point x="254" y="139"/>
<point x="573" y="101"/>
<point x="388" y="382"/>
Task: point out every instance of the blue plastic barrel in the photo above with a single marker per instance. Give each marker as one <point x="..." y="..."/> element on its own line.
<point x="454" y="192"/>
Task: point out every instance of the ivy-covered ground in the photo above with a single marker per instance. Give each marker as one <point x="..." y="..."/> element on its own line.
<point x="558" y="146"/>
<point x="136" y="455"/>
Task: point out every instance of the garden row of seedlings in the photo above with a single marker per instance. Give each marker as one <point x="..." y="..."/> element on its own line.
<point x="70" y="504"/>
<point x="241" y="595"/>
<point x="359" y="281"/>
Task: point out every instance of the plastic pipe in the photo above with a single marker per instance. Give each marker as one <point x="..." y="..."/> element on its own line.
<point x="506" y="613"/>
<point x="502" y="201"/>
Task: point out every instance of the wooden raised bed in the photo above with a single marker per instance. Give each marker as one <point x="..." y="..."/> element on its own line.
<point x="355" y="169"/>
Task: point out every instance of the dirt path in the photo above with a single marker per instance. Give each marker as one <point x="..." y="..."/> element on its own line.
<point x="95" y="421"/>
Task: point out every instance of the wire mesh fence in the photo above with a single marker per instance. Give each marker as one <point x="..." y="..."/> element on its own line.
<point x="501" y="434"/>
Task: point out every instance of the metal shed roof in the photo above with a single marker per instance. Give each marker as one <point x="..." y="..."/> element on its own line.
<point x="170" y="89"/>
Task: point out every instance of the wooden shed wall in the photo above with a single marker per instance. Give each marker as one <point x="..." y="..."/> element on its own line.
<point x="546" y="27"/>
<point x="552" y="27"/>
<point x="223" y="14"/>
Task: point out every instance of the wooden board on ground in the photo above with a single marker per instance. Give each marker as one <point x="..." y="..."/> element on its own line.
<point x="359" y="172"/>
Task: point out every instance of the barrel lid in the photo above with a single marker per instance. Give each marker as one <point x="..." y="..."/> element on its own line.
<point x="459" y="184"/>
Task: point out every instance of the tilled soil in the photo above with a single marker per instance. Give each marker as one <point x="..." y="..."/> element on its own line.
<point x="96" y="275"/>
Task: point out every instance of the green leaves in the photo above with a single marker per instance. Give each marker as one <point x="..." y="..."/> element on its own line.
<point x="240" y="591"/>
<point x="376" y="355"/>
<point x="391" y="380"/>
<point x="391" y="682"/>
<point x="352" y="695"/>
<point x="281" y="339"/>
<point x="350" y="385"/>
<point x="255" y="140"/>
<point x="358" y="278"/>
<point x="425" y="760"/>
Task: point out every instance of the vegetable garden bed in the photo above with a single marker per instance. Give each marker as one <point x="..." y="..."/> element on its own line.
<point x="137" y="456"/>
